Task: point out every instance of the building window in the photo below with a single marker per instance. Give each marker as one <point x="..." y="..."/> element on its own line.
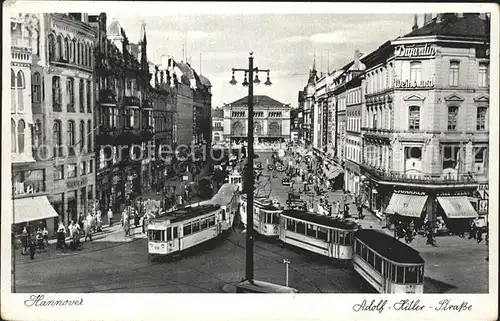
<point x="12" y="135"/>
<point x="52" y="47"/>
<point x="20" y="80"/>
<point x="71" y="136"/>
<point x="414" y="118"/>
<point x="38" y="133"/>
<point x="82" y="135"/>
<point x="454" y="71"/>
<point x="58" y="172"/>
<point x="483" y="77"/>
<point x="90" y="166"/>
<point x="89" y="95"/>
<point x="59" y="48"/>
<point x="89" y="139"/>
<point x="415" y="72"/>
<point x="20" y="135"/>
<point x="481" y="118"/>
<point x="452" y="117"/>
<point x="56" y="93"/>
<point x="66" y="49"/>
<point x="71" y="170"/>
<point x="82" y="168"/>
<point x="57" y="133"/>
<point x="81" y="96"/>
<point x="450" y="156"/>
<point x="36" y="88"/>
<point x="70" y="91"/>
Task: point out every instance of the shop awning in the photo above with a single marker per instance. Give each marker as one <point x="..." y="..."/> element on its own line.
<point x="457" y="207"/>
<point x="333" y="173"/>
<point x="32" y="209"/>
<point x="406" y="205"/>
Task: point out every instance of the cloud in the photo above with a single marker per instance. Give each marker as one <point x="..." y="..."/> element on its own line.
<point x="294" y="39"/>
<point x="224" y="55"/>
<point x="330" y="37"/>
<point x="202" y="35"/>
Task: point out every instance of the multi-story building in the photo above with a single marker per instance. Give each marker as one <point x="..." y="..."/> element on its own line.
<point x="271" y="120"/>
<point x="29" y="177"/>
<point x="217" y="125"/>
<point x="425" y="119"/>
<point x="124" y="114"/>
<point x="63" y="116"/>
<point x="296" y="123"/>
<point x="309" y="102"/>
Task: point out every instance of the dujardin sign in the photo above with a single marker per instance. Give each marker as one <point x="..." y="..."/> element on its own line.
<point x="414" y="51"/>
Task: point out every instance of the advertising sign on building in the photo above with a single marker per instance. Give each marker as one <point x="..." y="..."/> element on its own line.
<point x="415" y="51"/>
<point x="423" y="84"/>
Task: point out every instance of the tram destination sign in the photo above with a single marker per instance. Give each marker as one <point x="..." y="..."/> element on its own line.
<point x="413" y="51"/>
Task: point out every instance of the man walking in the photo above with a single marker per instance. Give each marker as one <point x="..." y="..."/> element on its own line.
<point x="110" y="217"/>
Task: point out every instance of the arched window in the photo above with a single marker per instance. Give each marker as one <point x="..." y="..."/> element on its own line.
<point x="57" y="138"/>
<point x="13" y="135"/>
<point x="85" y="55"/>
<point x="20" y="80"/>
<point x="66" y="49"/>
<point x="20" y="135"/>
<point x="38" y="133"/>
<point x="89" y="97"/>
<point x="60" y="50"/>
<point x="36" y="88"/>
<point x="414" y="118"/>
<point x="70" y="92"/>
<point x="79" y="53"/>
<point x="56" y="93"/>
<point x="52" y="47"/>
<point x="90" y="55"/>
<point x="71" y="134"/>
<point x="82" y="135"/>
<point x="73" y="51"/>
<point x="12" y="79"/>
<point x="89" y="136"/>
<point x="81" y="95"/>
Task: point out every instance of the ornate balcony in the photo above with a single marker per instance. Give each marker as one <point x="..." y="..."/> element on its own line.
<point x="418" y="178"/>
<point x="20" y="55"/>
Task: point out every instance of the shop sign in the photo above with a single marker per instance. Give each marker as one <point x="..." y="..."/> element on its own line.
<point x="76" y="183"/>
<point x="423" y="84"/>
<point x="405" y="51"/>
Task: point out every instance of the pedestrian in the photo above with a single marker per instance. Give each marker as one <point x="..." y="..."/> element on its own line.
<point x="45" y="235"/>
<point x="80" y="221"/>
<point x="24" y="241"/>
<point x="31" y="246"/>
<point x="110" y="217"/>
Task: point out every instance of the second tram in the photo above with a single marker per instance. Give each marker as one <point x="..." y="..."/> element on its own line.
<point x="265" y="217"/>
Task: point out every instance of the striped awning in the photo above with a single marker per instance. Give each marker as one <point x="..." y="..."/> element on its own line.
<point x="32" y="209"/>
<point x="406" y="205"/>
<point x="457" y="207"/>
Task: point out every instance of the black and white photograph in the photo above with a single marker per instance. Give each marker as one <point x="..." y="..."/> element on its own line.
<point x="194" y="148"/>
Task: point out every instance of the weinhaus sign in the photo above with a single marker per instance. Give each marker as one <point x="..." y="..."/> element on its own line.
<point x="423" y="84"/>
<point x="425" y="51"/>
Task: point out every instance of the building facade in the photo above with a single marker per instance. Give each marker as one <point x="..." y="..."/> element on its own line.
<point x="217" y="125"/>
<point x="425" y="119"/>
<point x="309" y="101"/>
<point x="271" y="120"/>
<point x="296" y="123"/>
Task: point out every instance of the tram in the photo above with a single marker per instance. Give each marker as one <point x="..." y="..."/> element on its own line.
<point x="228" y="198"/>
<point x="184" y="228"/>
<point x="265" y="218"/>
<point x="389" y="265"/>
<point x="317" y="233"/>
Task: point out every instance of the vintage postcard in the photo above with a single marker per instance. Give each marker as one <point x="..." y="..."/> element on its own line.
<point x="160" y="159"/>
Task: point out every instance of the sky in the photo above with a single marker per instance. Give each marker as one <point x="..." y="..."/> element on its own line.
<point x="283" y="43"/>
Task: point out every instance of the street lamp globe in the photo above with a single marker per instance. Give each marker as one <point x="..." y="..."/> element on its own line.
<point x="256" y="80"/>
<point x="245" y="81"/>
<point x="233" y="81"/>
<point x="268" y="81"/>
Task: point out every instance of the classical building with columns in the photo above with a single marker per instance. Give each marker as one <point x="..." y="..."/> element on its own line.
<point x="425" y="127"/>
<point x="271" y="120"/>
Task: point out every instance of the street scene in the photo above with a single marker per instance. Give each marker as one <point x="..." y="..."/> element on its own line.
<point x="362" y="168"/>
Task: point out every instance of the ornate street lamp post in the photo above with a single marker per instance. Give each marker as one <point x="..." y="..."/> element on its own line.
<point x="249" y="171"/>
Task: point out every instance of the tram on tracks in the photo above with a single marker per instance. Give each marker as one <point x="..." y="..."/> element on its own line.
<point x="265" y="218"/>
<point x="389" y="265"/>
<point x="318" y="233"/>
<point x="228" y="198"/>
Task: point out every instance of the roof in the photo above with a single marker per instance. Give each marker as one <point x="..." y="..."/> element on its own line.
<point x="224" y="195"/>
<point x="388" y="246"/>
<point x="258" y="100"/>
<point x="263" y="203"/>
<point x="329" y="221"/>
<point x="186" y="213"/>
<point x="469" y="26"/>
<point x="114" y="29"/>
<point x="218" y="113"/>
<point x="204" y="80"/>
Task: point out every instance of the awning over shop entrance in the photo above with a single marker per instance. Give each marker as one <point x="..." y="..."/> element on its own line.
<point x="333" y="173"/>
<point x="32" y="209"/>
<point x="457" y="207"/>
<point x="406" y="205"/>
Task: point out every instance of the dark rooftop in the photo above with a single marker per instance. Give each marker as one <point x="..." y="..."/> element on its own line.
<point x="321" y="219"/>
<point x="258" y="100"/>
<point x="186" y="213"/>
<point x="389" y="247"/>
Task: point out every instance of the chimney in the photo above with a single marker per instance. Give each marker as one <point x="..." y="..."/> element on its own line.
<point x="356" y="59"/>
<point x="415" y="22"/>
<point x="427" y="18"/>
<point x="439" y="18"/>
<point x="460" y="15"/>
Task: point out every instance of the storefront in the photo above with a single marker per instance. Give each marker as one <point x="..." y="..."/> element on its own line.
<point x="34" y="212"/>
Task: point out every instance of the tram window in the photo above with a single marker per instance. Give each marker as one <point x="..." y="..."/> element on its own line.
<point x="196" y="226"/>
<point x="290" y="225"/>
<point x="163" y="236"/>
<point x="211" y="221"/>
<point x="176" y="234"/>
<point x="411" y="274"/>
<point x="276" y="218"/>
<point x="335" y="239"/>
<point x="321" y="233"/>
<point x="393" y="272"/>
<point x="169" y="234"/>
<point x="204" y="224"/>
<point x="341" y="238"/>
<point x="364" y="252"/>
<point x="348" y="238"/>
<point x="311" y="231"/>
<point x="187" y="229"/>
<point x="378" y="264"/>
<point x="357" y="247"/>
<point x="223" y="215"/>
<point x="400" y="274"/>
<point x="420" y="274"/>
<point x="301" y="228"/>
<point x="370" y="257"/>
